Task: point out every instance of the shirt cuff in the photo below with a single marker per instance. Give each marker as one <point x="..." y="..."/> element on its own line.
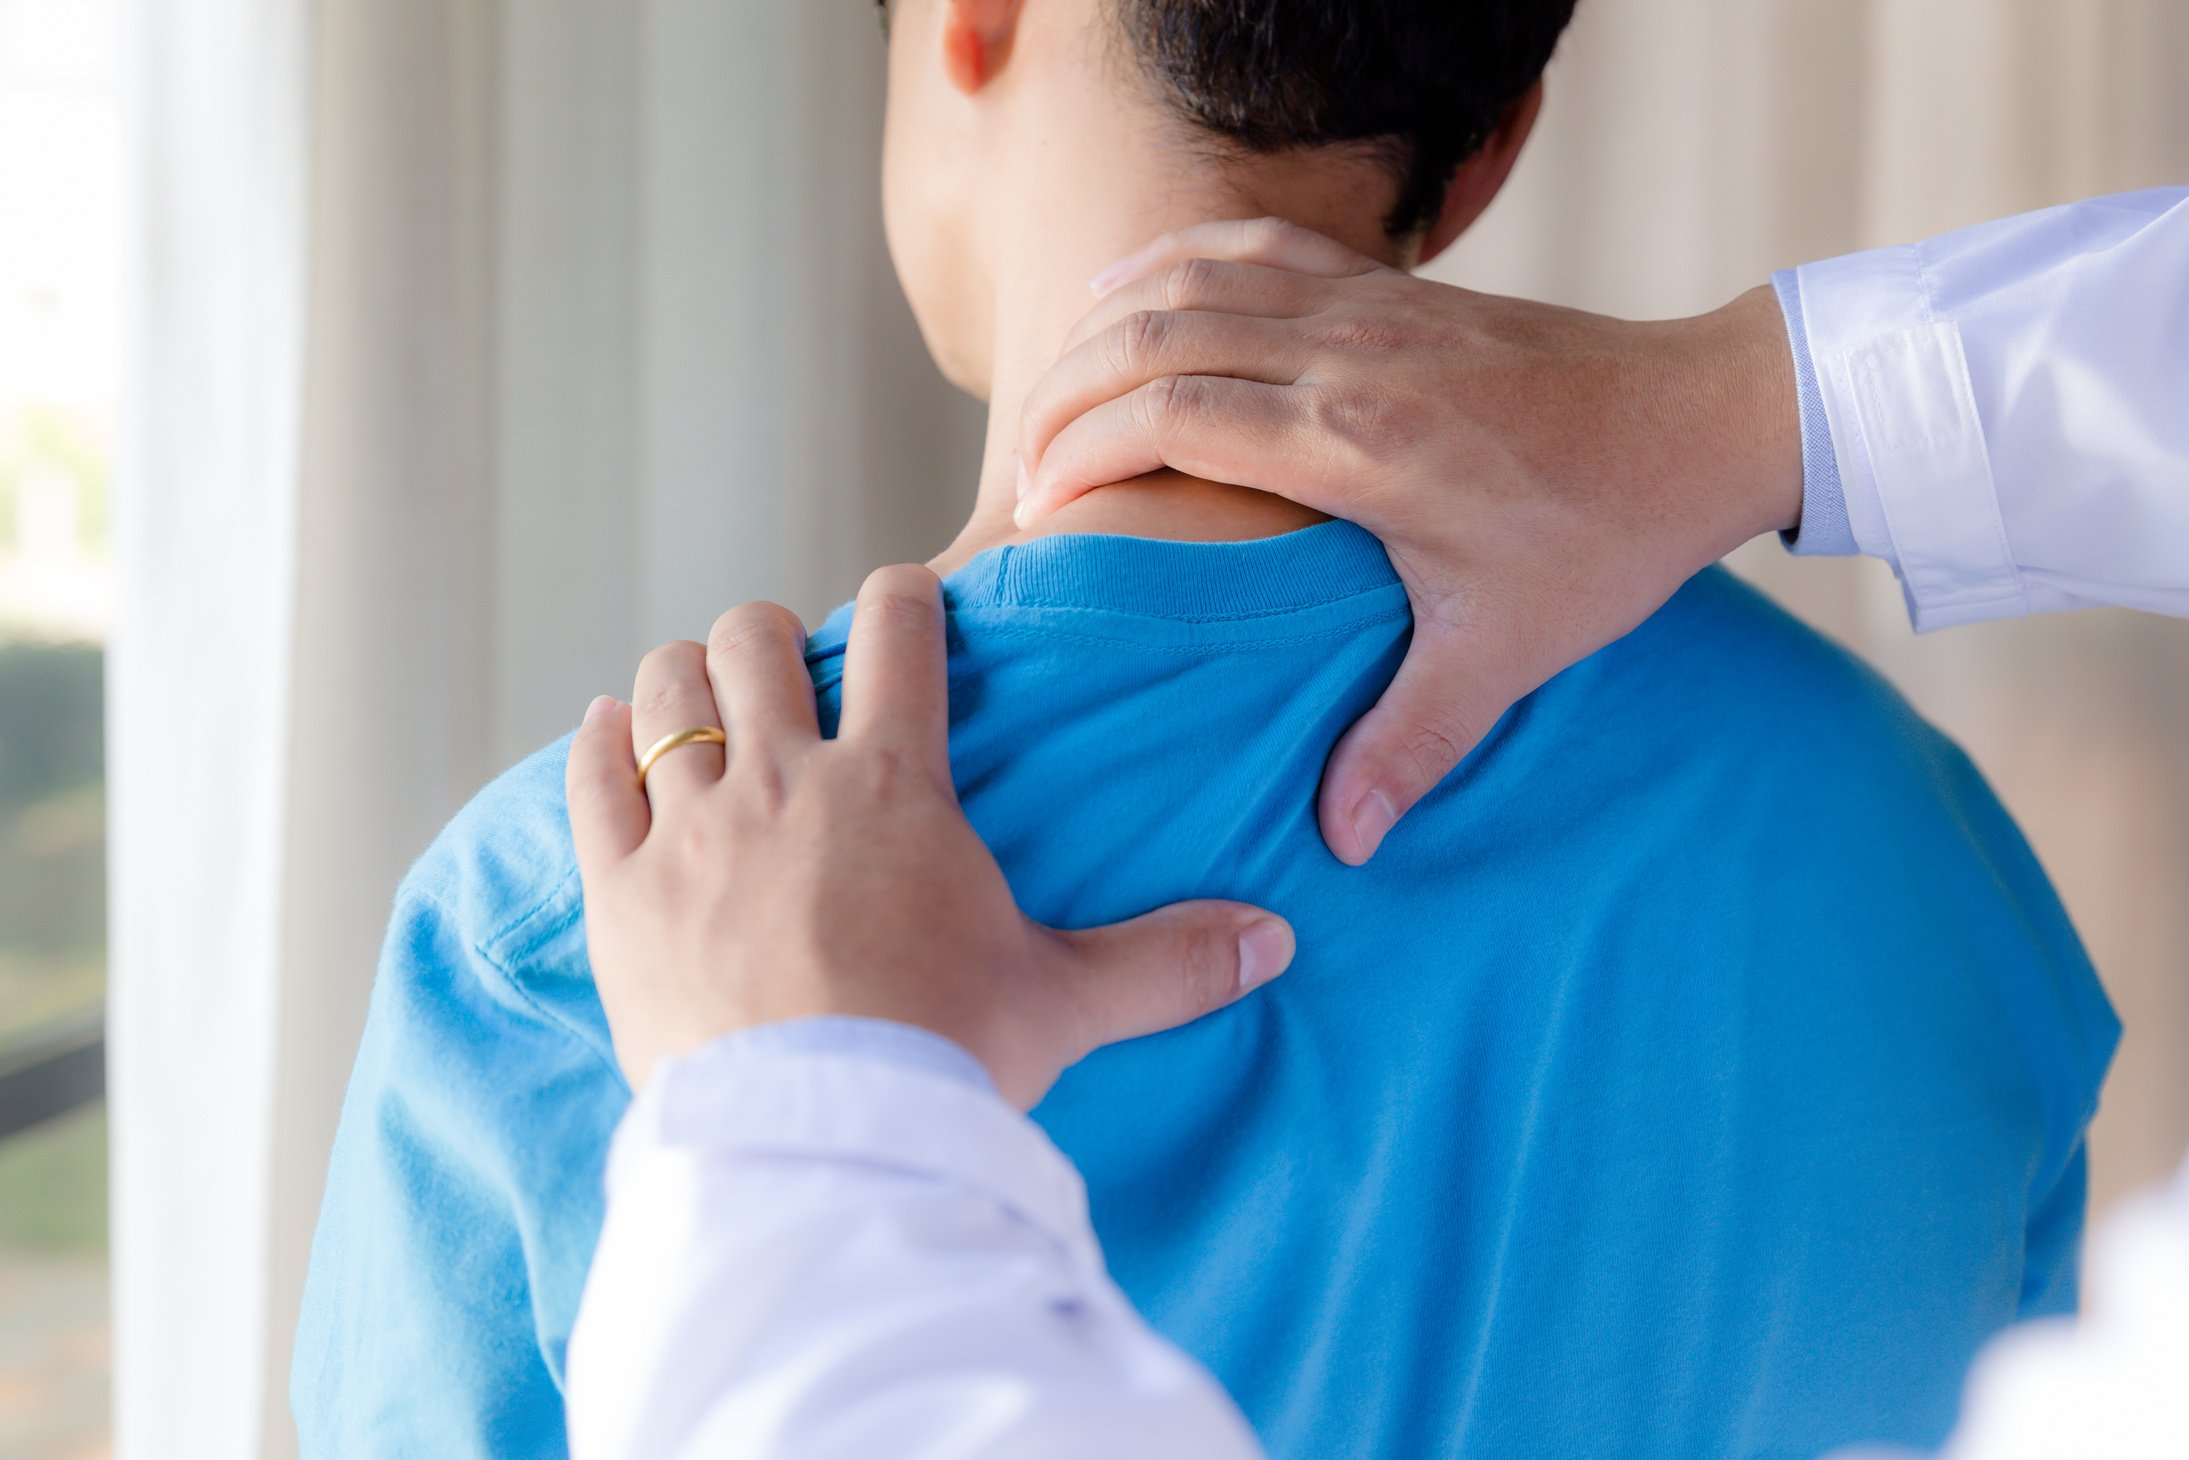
<point x="1914" y="470"/>
<point x="740" y="1099"/>
<point x="904" y="1045"/>
<point x="1823" y="531"/>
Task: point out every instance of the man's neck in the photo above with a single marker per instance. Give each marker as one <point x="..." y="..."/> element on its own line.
<point x="1040" y="294"/>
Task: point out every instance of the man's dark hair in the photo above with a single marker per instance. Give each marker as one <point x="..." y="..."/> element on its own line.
<point x="1424" y="81"/>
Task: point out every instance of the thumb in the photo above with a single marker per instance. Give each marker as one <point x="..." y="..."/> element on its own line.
<point x="1170" y="966"/>
<point x="1436" y="710"/>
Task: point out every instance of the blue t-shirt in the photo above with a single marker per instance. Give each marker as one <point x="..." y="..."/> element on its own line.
<point x="1701" y="1071"/>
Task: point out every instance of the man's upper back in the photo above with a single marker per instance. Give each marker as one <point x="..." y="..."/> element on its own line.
<point x="1701" y="1070"/>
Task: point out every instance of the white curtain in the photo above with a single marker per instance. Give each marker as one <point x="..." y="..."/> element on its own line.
<point x="199" y="735"/>
<point x="477" y="348"/>
<point x="480" y="344"/>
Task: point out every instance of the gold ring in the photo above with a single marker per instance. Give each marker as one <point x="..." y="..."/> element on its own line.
<point x="697" y="735"/>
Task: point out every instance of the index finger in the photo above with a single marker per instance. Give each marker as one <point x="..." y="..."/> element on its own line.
<point x="756" y="660"/>
<point x="1276" y="242"/>
<point x="896" y="669"/>
<point x="1212" y="286"/>
<point x="609" y="816"/>
<point x="1146" y="347"/>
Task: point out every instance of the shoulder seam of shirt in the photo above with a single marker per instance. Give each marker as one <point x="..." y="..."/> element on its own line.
<point x="484" y="947"/>
<point x="514" y="927"/>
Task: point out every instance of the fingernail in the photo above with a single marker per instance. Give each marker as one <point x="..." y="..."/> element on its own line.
<point x="1025" y="482"/>
<point x="1114" y="275"/>
<point x="1265" y="950"/>
<point x="1373" y="818"/>
<point x="601" y="705"/>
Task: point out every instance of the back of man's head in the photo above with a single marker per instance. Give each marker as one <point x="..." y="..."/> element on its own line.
<point x="1423" y="82"/>
<point x="1030" y="142"/>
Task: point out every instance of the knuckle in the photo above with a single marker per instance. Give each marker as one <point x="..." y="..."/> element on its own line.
<point x="1170" y="402"/>
<point x="752" y="625"/>
<point x="1365" y="333"/>
<point x="885" y="766"/>
<point x="897" y="607"/>
<point x="884" y="774"/>
<point x="1153" y="403"/>
<point x="908" y="581"/>
<point x="660" y="662"/>
<point x="694" y="841"/>
<point x="1191" y="398"/>
<point x="1188" y="283"/>
<point x="1432" y="747"/>
<point x="1371" y="423"/>
<point x="1138" y="340"/>
<point x="1206" y="967"/>
<point x="655" y="700"/>
<point x="665" y="674"/>
<point x="762" y="787"/>
<point x="899" y="775"/>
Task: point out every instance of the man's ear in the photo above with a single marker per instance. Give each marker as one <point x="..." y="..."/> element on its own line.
<point x="976" y="40"/>
<point x="1481" y="175"/>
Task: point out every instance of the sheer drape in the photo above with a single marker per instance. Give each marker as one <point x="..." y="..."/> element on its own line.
<point x="199" y="729"/>
<point x="479" y="346"/>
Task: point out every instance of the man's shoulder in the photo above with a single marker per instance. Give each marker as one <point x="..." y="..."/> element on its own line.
<point x="1733" y="724"/>
<point x="1783" y="732"/>
<point x="1743" y="666"/>
<point x="490" y="921"/>
<point x="467" y="1167"/>
<point x="503" y="872"/>
<point x="1873" y="837"/>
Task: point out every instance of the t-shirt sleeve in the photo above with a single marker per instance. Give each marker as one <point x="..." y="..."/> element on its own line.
<point x="2048" y="1011"/>
<point x="2052" y="1251"/>
<point x="423" y="1330"/>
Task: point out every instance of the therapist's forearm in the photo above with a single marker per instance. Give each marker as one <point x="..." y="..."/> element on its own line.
<point x="848" y="1255"/>
<point x="867" y="1253"/>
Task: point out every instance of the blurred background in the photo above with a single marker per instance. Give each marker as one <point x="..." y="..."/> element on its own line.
<point x="443" y="355"/>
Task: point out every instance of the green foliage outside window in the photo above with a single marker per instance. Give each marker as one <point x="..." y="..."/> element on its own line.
<point x="43" y="441"/>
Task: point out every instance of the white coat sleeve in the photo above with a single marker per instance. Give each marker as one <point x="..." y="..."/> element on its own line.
<point x="2007" y="410"/>
<point x="820" y="1255"/>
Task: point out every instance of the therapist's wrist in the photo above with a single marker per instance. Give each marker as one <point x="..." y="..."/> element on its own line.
<point x="1732" y="403"/>
<point x="1736" y="395"/>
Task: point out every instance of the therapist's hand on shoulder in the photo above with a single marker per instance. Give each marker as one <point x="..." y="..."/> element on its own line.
<point x="1543" y="479"/>
<point x="796" y="876"/>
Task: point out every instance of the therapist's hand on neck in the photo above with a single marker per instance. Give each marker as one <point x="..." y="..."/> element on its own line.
<point x="1543" y="479"/>
<point x="813" y="877"/>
